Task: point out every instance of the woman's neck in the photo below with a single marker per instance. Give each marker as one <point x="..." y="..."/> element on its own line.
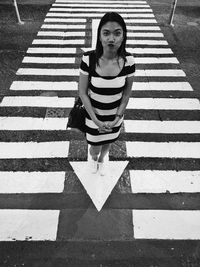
<point x="109" y="55"/>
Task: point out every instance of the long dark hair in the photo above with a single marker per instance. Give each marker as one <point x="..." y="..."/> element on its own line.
<point x="114" y="17"/>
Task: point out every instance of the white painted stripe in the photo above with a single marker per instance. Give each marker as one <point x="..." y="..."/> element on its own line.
<point x="49" y="86"/>
<point x="125" y="15"/>
<point x="49" y="60"/>
<point x="162" y="149"/>
<point x="134" y="103"/>
<point x="58" y="42"/>
<point x="166" y="224"/>
<point x="145" y="34"/>
<point x="49" y="72"/>
<point x="34" y="150"/>
<point x="31" y="123"/>
<point x="172" y="127"/>
<point x="164" y="103"/>
<point x="28" y="225"/>
<point x="148" y="21"/>
<point x="103" y="9"/>
<point x="104" y="2"/>
<point x="101" y="5"/>
<point x="37" y="101"/>
<point x="31" y="182"/>
<point x="147" y="42"/>
<point x="71" y="20"/>
<point x="60" y="34"/>
<point x="162" y="86"/>
<point x="150" y="50"/>
<point x="148" y="181"/>
<point x="159" y="72"/>
<point x="53" y="50"/>
<point x="65" y="27"/>
<point x="156" y="60"/>
<point x="143" y="28"/>
<point x="65" y="20"/>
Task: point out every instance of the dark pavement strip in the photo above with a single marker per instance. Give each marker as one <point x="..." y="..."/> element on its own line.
<point x="140" y="253"/>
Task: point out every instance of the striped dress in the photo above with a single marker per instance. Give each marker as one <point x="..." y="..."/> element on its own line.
<point x="105" y="93"/>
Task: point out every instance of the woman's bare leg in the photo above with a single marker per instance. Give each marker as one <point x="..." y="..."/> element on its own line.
<point x="104" y="150"/>
<point x="94" y="152"/>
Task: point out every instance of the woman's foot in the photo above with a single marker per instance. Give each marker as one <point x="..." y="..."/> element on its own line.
<point x="102" y="168"/>
<point x="93" y="166"/>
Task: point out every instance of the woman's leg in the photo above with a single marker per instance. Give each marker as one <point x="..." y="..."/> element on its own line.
<point x="94" y="152"/>
<point x="104" y="150"/>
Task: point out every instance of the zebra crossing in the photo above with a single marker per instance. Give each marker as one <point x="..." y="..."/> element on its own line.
<point x="160" y="139"/>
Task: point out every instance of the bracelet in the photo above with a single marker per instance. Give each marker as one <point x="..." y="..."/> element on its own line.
<point x="117" y="115"/>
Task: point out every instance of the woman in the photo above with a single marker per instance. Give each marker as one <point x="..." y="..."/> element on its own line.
<point x="106" y="77"/>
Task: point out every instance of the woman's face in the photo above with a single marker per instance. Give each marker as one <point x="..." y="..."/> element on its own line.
<point x="111" y="36"/>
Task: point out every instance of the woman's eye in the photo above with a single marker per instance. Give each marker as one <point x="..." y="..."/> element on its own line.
<point x="105" y="33"/>
<point x="118" y="33"/>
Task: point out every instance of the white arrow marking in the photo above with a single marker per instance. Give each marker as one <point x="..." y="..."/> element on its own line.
<point x="99" y="187"/>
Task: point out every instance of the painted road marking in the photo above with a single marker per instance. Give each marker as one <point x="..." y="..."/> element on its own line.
<point x="65" y="27"/>
<point x="140" y="21"/>
<point x="99" y="1"/>
<point x="51" y="50"/>
<point x="47" y="86"/>
<point x="101" y="5"/>
<point x="127" y="10"/>
<point x="146" y="28"/>
<point x="64" y="86"/>
<point x="164" y="103"/>
<point x="49" y="60"/>
<point x="162" y="86"/>
<point x="166" y="224"/>
<point x="163" y="149"/>
<point x="58" y="42"/>
<point x="134" y="103"/>
<point x="125" y="15"/>
<point x="28" y="225"/>
<point x="145" y="34"/>
<point x="160" y="72"/>
<point x="31" y="123"/>
<point x="148" y="126"/>
<point x="101" y="186"/>
<point x="61" y="34"/>
<point x="131" y="126"/>
<point x="163" y="51"/>
<point x="71" y="20"/>
<point x="37" y="101"/>
<point x="156" y="60"/>
<point x="34" y="150"/>
<point x="154" y="181"/>
<point x="68" y="60"/>
<point x="31" y="182"/>
<point x="147" y="42"/>
<point x="48" y="72"/>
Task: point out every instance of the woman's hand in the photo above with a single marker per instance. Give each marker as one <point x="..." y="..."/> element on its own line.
<point x="103" y="127"/>
<point x="111" y="124"/>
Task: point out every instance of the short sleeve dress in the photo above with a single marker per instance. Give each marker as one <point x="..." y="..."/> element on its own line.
<point x="105" y="94"/>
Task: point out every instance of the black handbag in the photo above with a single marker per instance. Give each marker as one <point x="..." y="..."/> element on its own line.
<point x="76" y="118"/>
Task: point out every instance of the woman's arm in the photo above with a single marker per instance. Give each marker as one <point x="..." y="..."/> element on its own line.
<point x="124" y="101"/>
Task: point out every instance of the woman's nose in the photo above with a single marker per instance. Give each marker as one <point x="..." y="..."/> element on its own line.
<point x="111" y="38"/>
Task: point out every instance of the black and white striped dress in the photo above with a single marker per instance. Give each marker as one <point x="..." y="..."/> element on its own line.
<point x="105" y="93"/>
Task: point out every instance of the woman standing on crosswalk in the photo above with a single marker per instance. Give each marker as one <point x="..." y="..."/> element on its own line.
<point x="106" y="77"/>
